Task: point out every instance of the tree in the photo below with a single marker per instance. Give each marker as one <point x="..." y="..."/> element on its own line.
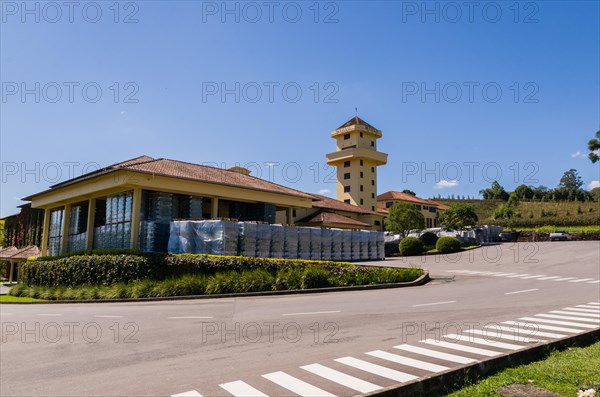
<point x="595" y="193"/>
<point x="1" y="233"/>
<point x="524" y="192"/>
<point x="594" y="147"/>
<point x="570" y="180"/>
<point x="404" y="217"/>
<point x="409" y="192"/>
<point x="459" y="217"/>
<point x="496" y="191"/>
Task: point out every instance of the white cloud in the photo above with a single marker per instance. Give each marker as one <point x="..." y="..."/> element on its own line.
<point x="324" y="192"/>
<point x="123" y="112"/>
<point x="576" y="154"/>
<point x="446" y="184"/>
<point x="594" y="184"/>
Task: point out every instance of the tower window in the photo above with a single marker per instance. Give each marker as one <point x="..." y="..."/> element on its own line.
<point x="347" y="136"/>
<point x="347" y="175"/>
<point x="361" y="188"/>
<point x="373" y="143"/>
<point x="361" y="134"/>
<point x="346" y="164"/>
<point x="361" y="162"/>
<point x="361" y="174"/>
<point x="372" y="208"/>
<point x="372" y="182"/>
<point x="362" y="201"/>
<point x="347" y="201"/>
<point x="373" y="169"/>
<point x="346" y="189"/>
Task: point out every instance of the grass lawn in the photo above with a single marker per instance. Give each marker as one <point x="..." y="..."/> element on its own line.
<point x="8" y="298"/>
<point x="563" y="372"/>
<point x="570" y="229"/>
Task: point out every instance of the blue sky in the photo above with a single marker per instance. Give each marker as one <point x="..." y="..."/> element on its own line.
<point x="463" y="96"/>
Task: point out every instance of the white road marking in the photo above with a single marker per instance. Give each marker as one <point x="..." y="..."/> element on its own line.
<point x="520" y="292"/>
<point x="102" y="316"/>
<point x="435" y="303"/>
<point x="567" y="323"/>
<point x="341" y="378"/>
<point x="564" y="279"/>
<point x="5" y="314"/>
<point x="530" y="330"/>
<point x="504" y="274"/>
<point x="190" y="317"/>
<point x="479" y="341"/>
<point x="496" y="333"/>
<point x="309" y="313"/>
<point x="588" y="306"/>
<point x="433" y="353"/>
<point x="296" y="385"/>
<point x="577" y="309"/>
<point x="594" y="282"/>
<point x="561" y="317"/>
<point x="569" y="313"/>
<point x="530" y="325"/>
<point x="520" y="275"/>
<point x="581" y="280"/>
<point x="50" y="315"/>
<point x="411" y="362"/>
<point x="242" y="389"/>
<point x="192" y="393"/>
<point x="549" y="277"/>
<point x="536" y="276"/>
<point x="456" y="346"/>
<point x="376" y="369"/>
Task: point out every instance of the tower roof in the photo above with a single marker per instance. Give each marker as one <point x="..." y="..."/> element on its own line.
<point x="356" y="121"/>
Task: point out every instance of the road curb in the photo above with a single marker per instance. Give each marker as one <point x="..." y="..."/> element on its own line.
<point x="422" y="280"/>
<point x="444" y="381"/>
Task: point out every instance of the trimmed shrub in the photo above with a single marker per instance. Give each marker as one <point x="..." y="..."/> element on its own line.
<point x="447" y="245"/>
<point x="429" y="238"/>
<point x="411" y="246"/>
<point x="316" y="278"/>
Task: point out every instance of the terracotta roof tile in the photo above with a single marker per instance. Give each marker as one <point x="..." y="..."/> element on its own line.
<point x="27" y="252"/>
<point x="8" y="252"/>
<point x="356" y="121"/>
<point x="333" y="204"/>
<point x="410" y="198"/>
<point x="323" y="217"/>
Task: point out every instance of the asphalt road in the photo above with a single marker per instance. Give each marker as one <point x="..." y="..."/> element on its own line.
<point x="165" y="348"/>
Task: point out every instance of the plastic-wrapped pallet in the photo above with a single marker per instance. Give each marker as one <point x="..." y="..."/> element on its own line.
<point x="326" y="244"/>
<point x="364" y="244"/>
<point x="315" y="243"/>
<point x="277" y="241"/>
<point x="290" y="247"/>
<point x="304" y="236"/>
<point x="356" y="235"/>
<point x="231" y="237"/>
<point x="380" y="245"/>
<point x="247" y="238"/>
<point x="336" y="244"/>
<point x="346" y="245"/>
<point x="263" y="240"/>
<point x="373" y="245"/>
<point x="175" y="238"/>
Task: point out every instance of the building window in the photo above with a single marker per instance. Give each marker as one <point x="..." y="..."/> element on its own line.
<point x="425" y="208"/>
<point x="361" y="174"/>
<point x="361" y="162"/>
<point x="346" y="189"/>
<point x="372" y="208"/>
<point x="361" y="188"/>
<point x="372" y="195"/>
<point x="347" y="201"/>
<point x="347" y="175"/>
<point x="389" y="204"/>
<point x="294" y="213"/>
<point x="346" y="164"/>
<point x="372" y="182"/>
<point x="373" y="143"/>
<point x="418" y="206"/>
<point x="362" y="201"/>
<point x="373" y="169"/>
<point x="377" y="223"/>
<point x="361" y="134"/>
<point x="346" y="137"/>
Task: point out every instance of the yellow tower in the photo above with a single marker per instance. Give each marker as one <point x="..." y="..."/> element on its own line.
<point x="357" y="159"/>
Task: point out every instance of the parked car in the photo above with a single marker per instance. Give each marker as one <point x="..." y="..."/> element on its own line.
<point x="560" y="236"/>
<point x="505" y="237"/>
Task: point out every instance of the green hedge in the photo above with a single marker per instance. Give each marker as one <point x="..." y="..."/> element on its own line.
<point x="447" y="245"/>
<point x="100" y="269"/>
<point x="429" y="238"/>
<point x="255" y="280"/>
<point x="411" y="246"/>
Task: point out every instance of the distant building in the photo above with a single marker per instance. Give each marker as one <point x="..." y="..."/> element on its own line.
<point x="430" y="209"/>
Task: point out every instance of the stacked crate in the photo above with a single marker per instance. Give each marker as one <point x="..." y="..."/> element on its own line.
<point x="290" y="250"/>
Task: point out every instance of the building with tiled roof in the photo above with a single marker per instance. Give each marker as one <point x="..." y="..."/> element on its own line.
<point x="430" y="209"/>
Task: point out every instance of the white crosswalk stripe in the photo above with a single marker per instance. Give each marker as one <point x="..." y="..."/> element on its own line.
<point x="435" y="354"/>
<point x="376" y="369"/>
<point x="564" y="279"/>
<point x="531" y="332"/>
<point x="536" y="276"/>
<point x="296" y="385"/>
<point x="588" y="306"/>
<point x="567" y="323"/>
<point x="594" y="303"/>
<point x="549" y="278"/>
<point x="192" y="393"/>
<point x="519" y="275"/>
<point x="581" y="280"/>
<point x="479" y="341"/>
<point x="495" y="333"/>
<point x="504" y="274"/>
<point x="341" y="378"/>
<point x="561" y="317"/>
<point x="525" y="325"/>
<point x="410" y="362"/>
<point x="570" y="313"/>
<point x="242" y="389"/>
<point x="594" y="282"/>
<point x="578" y="309"/>
<point x="456" y="346"/>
